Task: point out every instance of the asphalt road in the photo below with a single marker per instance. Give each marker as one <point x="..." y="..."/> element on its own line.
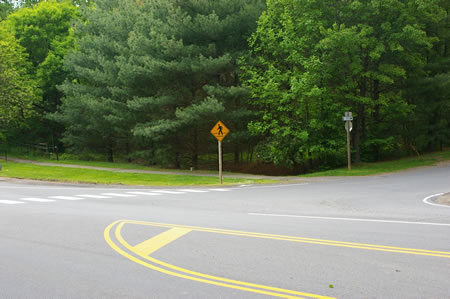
<point x="362" y="237"/>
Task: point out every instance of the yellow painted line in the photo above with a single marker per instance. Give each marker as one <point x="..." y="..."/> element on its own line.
<point x="414" y="251"/>
<point x="240" y="285"/>
<point x="161" y="240"/>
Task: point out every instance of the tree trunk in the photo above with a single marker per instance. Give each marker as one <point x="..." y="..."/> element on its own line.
<point x="358" y="133"/>
<point x="110" y="153"/>
<point x="177" y="160"/>
<point x="127" y="149"/>
<point x="359" y="125"/>
<point x="194" y="159"/>
<point x="236" y="154"/>
<point x="376" y="114"/>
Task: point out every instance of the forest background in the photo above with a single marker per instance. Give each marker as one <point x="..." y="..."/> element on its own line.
<point x="146" y="80"/>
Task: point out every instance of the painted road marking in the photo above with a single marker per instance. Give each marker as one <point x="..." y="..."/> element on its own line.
<point x="427" y="201"/>
<point x="143" y="193"/>
<point x="140" y="250"/>
<point x="161" y="240"/>
<point x="302" y="240"/>
<point x="66" y="197"/>
<point x="168" y="192"/>
<point x="272" y="186"/>
<point x="114" y="230"/>
<point x="351" y="219"/>
<point x="94" y="196"/>
<point x="118" y="194"/>
<point x="10" y="202"/>
<point x="37" y="199"/>
<point x="193" y="190"/>
<point x="220" y="190"/>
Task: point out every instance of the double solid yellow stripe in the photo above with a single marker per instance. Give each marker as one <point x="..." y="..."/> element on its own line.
<point x="195" y="276"/>
<point x="144" y="249"/>
<point x="425" y="252"/>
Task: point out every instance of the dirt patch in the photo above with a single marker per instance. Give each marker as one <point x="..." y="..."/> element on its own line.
<point x="444" y="199"/>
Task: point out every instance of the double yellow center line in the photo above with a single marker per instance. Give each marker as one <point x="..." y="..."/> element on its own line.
<point x="300" y="239"/>
<point x="141" y="252"/>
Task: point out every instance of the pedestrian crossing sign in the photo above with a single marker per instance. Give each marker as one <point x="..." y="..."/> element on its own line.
<point x="220" y="131"/>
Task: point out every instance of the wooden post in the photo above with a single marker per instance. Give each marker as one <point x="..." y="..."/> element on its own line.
<point x="220" y="161"/>
<point x="349" y="159"/>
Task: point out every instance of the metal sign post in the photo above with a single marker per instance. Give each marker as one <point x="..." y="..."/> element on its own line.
<point x="348" y="127"/>
<point x="220" y="161"/>
<point x="219" y="131"/>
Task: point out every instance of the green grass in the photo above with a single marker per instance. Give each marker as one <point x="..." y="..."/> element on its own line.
<point x="115" y="165"/>
<point x="364" y="169"/>
<point x="76" y="175"/>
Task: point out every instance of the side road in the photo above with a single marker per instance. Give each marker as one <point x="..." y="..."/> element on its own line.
<point x="243" y="176"/>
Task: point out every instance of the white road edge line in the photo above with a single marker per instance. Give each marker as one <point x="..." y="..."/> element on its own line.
<point x="351" y="219"/>
<point x="118" y="194"/>
<point x="10" y="202"/>
<point x="35" y="199"/>
<point x="66" y="197"/>
<point x="425" y="200"/>
<point x="93" y="196"/>
<point x="143" y="193"/>
<point x="168" y="192"/>
<point x="271" y="186"/>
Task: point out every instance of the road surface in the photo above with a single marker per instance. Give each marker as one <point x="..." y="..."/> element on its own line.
<point x="359" y="237"/>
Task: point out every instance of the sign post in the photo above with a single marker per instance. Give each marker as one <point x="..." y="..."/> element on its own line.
<point x="219" y="131"/>
<point x="348" y="127"/>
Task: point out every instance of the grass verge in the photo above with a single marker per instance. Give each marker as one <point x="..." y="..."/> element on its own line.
<point x="104" y="164"/>
<point x="364" y="169"/>
<point x="76" y="175"/>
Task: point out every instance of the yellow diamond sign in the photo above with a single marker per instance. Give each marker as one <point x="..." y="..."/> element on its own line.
<point x="219" y="131"/>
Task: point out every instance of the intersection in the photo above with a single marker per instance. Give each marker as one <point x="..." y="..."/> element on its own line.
<point x="360" y="237"/>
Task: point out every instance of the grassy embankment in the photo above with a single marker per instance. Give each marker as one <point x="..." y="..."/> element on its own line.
<point x="386" y="166"/>
<point x="98" y="161"/>
<point x="77" y="175"/>
<point x="54" y="173"/>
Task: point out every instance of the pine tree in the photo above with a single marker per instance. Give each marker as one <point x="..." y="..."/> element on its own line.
<point x="161" y="71"/>
<point x="188" y="55"/>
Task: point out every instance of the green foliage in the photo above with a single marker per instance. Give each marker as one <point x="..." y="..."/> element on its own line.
<point x="45" y="32"/>
<point x="43" y="29"/>
<point x="18" y="91"/>
<point x="158" y="74"/>
<point x="314" y="60"/>
<point x="6" y="7"/>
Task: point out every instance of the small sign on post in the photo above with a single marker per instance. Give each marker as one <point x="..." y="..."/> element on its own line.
<point x="348" y="127"/>
<point x="219" y="131"/>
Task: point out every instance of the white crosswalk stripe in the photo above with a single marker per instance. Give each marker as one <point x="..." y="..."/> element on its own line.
<point x="169" y="192"/>
<point x="94" y="196"/>
<point x="118" y="194"/>
<point x="143" y="193"/>
<point x="123" y="193"/>
<point x="10" y="202"/>
<point x="66" y="197"/>
<point x="33" y="199"/>
<point x="193" y="190"/>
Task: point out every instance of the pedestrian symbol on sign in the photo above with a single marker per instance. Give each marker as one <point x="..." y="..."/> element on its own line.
<point x="219" y="131"/>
